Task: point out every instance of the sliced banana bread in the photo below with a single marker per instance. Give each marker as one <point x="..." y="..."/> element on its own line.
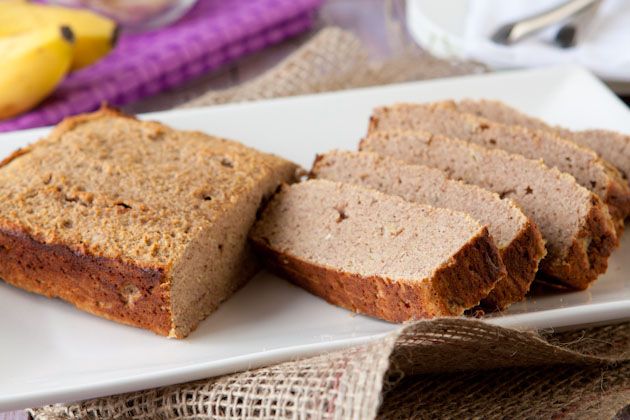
<point x="586" y="166"/>
<point x="375" y="253"/>
<point x="612" y="146"/>
<point x="576" y="226"/>
<point x="519" y="241"/>
<point x="133" y="221"/>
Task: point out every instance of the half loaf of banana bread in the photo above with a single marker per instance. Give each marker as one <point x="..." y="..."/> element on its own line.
<point x="133" y="221"/>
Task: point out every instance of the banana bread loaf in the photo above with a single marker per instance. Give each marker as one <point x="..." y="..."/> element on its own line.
<point x="133" y="221"/>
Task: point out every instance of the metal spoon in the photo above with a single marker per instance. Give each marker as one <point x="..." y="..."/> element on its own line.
<point x="513" y="32"/>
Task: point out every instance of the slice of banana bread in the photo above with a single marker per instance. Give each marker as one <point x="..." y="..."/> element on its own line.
<point x="575" y="224"/>
<point x="611" y="145"/>
<point x="445" y="118"/>
<point x="519" y="241"/>
<point x="377" y="254"/>
<point x="133" y="221"/>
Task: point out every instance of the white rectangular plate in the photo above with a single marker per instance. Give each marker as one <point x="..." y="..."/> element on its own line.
<point x="51" y="352"/>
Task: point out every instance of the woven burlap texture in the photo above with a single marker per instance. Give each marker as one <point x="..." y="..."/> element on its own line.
<point x="335" y="59"/>
<point x="582" y="372"/>
<point x="445" y="368"/>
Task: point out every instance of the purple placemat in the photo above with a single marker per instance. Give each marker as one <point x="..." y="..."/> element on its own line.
<point x="213" y="33"/>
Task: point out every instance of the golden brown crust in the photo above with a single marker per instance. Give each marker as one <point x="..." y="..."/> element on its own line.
<point x="70" y="123"/>
<point x="105" y="287"/>
<point x="468" y="277"/>
<point x="587" y="256"/>
<point x="521" y="258"/>
<point x="16" y="154"/>
<point x="67" y="124"/>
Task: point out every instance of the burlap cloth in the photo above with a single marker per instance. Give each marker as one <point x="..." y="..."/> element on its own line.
<point x="444" y="368"/>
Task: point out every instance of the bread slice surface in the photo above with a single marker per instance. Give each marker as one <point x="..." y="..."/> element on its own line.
<point x="449" y="119"/>
<point x="377" y="254"/>
<point x="519" y="241"/>
<point x="610" y="145"/>
<point x="133" y="221"/>
<point x="575" y="224"/>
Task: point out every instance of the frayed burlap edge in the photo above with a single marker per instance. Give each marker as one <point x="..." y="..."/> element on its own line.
<point x="339" y="385"/>
<point x="349" y="383"/>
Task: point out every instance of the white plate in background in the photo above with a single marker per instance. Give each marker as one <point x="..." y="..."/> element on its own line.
<point x="51" y="352"/>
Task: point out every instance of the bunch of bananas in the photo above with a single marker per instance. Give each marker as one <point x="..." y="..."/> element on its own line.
<point x="40" y="44"/>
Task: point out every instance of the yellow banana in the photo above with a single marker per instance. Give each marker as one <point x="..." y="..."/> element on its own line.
<point x="31" y="65"/>
<point x="94" y="35"/>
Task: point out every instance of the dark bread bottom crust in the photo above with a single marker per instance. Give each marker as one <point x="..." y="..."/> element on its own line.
<point x="521" y="258"/>
<point x="458" y="285"/>
<point x="587" y="257"/>
<point x="104" y="287"/>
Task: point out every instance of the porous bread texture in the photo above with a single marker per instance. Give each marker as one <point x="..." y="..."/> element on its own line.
<point x="377" y="254"/>
<point x="133" y="221"/>
<point x="519" y="241"/>
<point x="610" y="145"/>
<point x="448" y="119"/>
<point x="576" y="226"/>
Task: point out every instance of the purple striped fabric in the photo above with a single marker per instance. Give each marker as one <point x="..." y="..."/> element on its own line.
<point x="212" y="34"/>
